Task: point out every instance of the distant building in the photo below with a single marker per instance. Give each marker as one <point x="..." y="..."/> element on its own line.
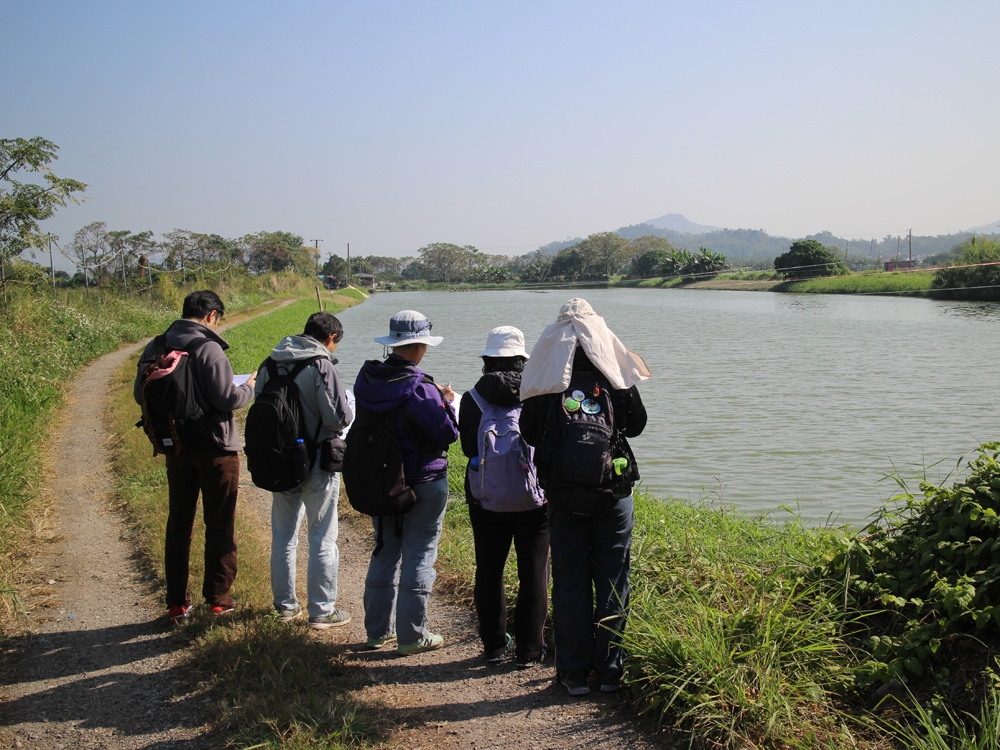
<point x="900" y="265"/>
<point x="367" y="279"/>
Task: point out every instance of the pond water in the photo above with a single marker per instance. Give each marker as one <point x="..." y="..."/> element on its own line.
<point x="758" y="399"/>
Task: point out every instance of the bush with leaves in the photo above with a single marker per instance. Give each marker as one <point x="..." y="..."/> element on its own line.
<point x="807" y="258"/>
<point x="929" y="575"/>
<point x="975" y="274"/>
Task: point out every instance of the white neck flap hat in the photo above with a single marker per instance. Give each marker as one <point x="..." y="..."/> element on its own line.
<point x="409" y="327"/>
<point x="505" y="341"/>
<point x="551" y="363"/>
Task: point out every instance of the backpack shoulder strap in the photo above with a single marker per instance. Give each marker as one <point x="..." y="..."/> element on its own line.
<point x="480" y="401"/>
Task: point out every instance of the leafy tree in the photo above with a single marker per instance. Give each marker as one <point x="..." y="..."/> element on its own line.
<point x="336" y="267"/>
<point x="269" y="252"/>
<point x="975" y="274"/>
<point x="24" y="205"/>
<point x="605" y="250"/>
<point x="807" y="258"/>
<point x="446" y="262"/>
<point x="648" y="253"/>
<point x="89" y="248"/>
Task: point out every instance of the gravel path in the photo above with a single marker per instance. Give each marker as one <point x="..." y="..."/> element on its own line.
<point x="101" y="671"/>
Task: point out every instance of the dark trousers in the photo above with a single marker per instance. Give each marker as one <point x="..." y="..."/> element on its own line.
<point x="493" y="533"/>
<point x="591" y="559"/>
<point x="216" y="475"/>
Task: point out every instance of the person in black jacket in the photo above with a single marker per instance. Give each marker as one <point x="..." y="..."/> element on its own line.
<point x="522" y="520"/>
<point x="590" y="528"/>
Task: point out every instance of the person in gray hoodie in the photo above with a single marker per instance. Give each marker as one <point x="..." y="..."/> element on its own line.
<point x="326" y="412"/>
<point x="213" y="468"/>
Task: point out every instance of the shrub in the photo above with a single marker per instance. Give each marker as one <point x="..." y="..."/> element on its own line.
<point x="809" y="258"/>
<point x="969" y="279"/>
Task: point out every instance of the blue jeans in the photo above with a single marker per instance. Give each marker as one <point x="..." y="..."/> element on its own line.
<point x="400" y="578"/>
<point x="591" y="556"/>
<point x="316" y="498"/>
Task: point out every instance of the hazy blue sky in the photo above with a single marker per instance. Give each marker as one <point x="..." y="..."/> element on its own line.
<point x="508" y="125"/>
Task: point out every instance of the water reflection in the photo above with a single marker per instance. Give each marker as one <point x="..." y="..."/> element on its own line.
<point x="765" y="399"/>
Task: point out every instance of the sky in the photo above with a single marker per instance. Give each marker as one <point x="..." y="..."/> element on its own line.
<point x="391" y="125"/>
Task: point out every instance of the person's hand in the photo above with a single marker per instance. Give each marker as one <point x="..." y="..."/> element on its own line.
<point x="447" y="393"/>
<point x="252" y="380"/>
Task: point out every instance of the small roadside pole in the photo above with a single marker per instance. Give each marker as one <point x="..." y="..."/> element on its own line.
<point x="52" y="270"/>
<point x="319" y="299"/>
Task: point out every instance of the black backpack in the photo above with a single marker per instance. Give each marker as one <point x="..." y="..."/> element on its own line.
<point x="280" y="454"/>
<point x="172" y="419"/>
<point x="582" y="443"/>
<point x="373" y="469"/>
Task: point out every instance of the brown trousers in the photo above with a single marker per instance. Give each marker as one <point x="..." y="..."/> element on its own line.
<point x="216" y="474"/>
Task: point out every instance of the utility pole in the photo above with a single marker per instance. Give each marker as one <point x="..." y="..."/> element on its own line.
<point x="52" y="269"/>
<point x="348" y="279"/>
<point x="316" y="242"/>
<point x="910" y="240"/>
<point x="871" y="250"/>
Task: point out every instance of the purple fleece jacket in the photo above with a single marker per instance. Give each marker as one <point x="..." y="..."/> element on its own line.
<point x="426" y="423"/>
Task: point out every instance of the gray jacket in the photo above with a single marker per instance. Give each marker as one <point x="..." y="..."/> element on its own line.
<point x="324" y="403"/>
<point x="213" y="376"/>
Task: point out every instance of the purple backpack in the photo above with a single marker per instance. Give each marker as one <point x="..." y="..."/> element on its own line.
<point x="504" y="480"/>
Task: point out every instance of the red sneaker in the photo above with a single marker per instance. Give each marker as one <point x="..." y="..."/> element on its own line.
<point x="223" y="609"/>
<point x="178" y="613"/>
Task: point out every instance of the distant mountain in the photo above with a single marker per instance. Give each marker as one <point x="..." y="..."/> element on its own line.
<point x="993" y="228"/>
<point x="677" y="223"/>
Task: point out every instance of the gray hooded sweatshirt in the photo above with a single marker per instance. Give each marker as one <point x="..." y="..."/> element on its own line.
<point x="324" y="402"/>
<point x="213" y="377"/>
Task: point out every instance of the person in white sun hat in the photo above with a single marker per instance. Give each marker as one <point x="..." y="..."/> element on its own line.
<point x="401" y="574"/>
<point x="580" y="403"/>
<point x="506" y="504"/>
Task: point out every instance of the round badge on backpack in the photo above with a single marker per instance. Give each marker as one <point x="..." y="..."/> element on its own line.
<point x="571" y="404"/>
<point x="590" y="406"/>
<point x="578" y="395"/>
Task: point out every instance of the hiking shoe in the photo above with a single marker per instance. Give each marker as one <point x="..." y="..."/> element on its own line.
<point x="222" y="609"/>
<point x="333" y="620"/>
<point x="287" y="615"/>
<point x="575" y="685"/>
<point x="374" y="644"/>
<point x="178" y="613"/>
<point x="612" y="687"/>
<point x="429" y="643"/>
<point x="494" y="660"/>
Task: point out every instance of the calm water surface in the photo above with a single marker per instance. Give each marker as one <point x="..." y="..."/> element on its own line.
<point x="757" y="399"/>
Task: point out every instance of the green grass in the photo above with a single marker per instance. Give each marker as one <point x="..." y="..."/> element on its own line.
<point x="908" y="283"/>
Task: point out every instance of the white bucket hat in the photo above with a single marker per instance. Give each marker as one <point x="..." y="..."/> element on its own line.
<point x="409" y="327"/>
<point x="505" y="341"/>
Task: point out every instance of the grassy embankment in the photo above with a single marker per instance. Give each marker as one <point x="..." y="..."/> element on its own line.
<point x="910" y="283"/>
<point x="274" y="685"/>
<point x="42" y="344"/>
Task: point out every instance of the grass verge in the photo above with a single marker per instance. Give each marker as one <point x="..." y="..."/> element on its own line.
<point x="275" y="685"/>
<point x="910" y="283"/>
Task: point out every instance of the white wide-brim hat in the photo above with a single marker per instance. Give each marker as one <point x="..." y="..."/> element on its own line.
<point x="409" y="327"/>
<point x="505" y="341"/>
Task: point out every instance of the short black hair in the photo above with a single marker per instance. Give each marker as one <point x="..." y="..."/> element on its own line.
<point x="503" y="364"/>
<point x="199" y="304"/>
<point x="323" y="325"/>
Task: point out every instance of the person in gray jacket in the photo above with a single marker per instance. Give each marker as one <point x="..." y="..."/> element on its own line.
<point x="213" y="468"/>
<point x="326" y="413"/>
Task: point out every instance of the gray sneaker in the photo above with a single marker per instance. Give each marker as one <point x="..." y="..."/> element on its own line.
<point x="333" y="620"/>
<point x="287" y="615"/>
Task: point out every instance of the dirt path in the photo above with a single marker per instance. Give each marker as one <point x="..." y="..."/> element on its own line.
<point x="101" y="671"/>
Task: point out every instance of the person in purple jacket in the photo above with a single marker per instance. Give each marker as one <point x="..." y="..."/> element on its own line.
<point x="400" y="578"/>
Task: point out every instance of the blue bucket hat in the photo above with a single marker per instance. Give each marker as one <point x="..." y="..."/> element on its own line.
<point x="409" y="327"/>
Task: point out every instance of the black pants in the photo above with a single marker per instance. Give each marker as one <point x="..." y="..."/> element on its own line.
<point x="216" y="476"/>
<point x="493" y="533"/>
